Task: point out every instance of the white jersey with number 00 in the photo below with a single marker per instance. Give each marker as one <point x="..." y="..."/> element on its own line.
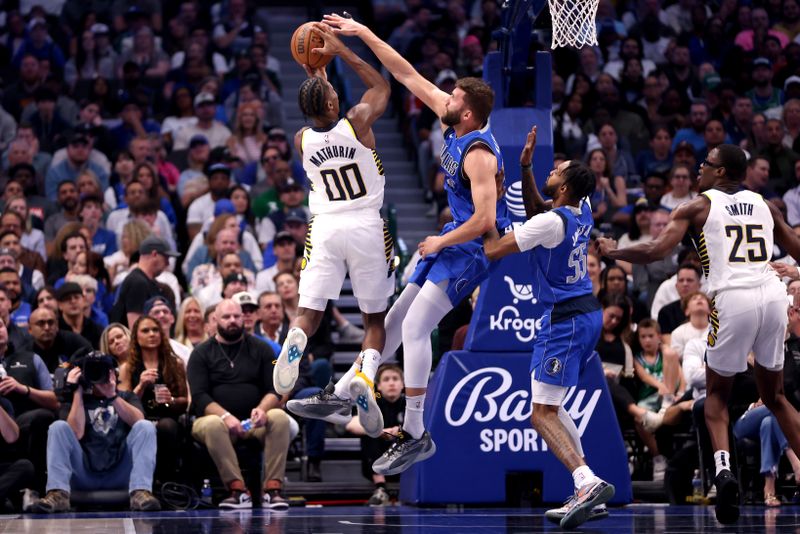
<point x="736" y="243"/>
<point x="344" y="174"/>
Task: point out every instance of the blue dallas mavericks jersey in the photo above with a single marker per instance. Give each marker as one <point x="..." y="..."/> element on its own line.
<point x="457" y="185"/>
<point x="464" y="266"/>
<point x="560" y="273"/>
<point x="572" y="319"/>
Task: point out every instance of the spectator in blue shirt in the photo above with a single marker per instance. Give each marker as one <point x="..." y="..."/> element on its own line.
<point x="40" y="45"/>
<point x="77" y="160"/>
<point x="698" y="117"/>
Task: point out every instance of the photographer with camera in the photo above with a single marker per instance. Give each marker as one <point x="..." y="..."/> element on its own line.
<point x="26" y="383"/>
<point x="102" y="440"/>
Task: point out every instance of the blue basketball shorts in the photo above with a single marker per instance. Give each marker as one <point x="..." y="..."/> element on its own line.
<point x="561" y="349"/>
<point x="464" y="267"/>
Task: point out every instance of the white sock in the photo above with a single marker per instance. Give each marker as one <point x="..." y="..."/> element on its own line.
<point x="582" y="476"/>
<point x="415" y="406"/>
<point x="722" y="460"/>
<point x="570" y="427"/>
<point x="342" y="387"/>
<point x="370" y="361"/>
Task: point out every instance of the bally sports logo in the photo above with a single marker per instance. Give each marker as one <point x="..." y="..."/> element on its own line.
<point x="490" y="399"/>
<point x="509" y="317"/>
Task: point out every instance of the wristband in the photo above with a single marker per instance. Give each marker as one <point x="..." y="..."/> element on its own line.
<point x="528" y="166"/>
<point x="112" y="399"/>
<point x="226" y="414"/>
<point x="28" y="391"/>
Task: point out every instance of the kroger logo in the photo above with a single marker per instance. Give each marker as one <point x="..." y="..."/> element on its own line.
<point x="509" y="317"/>
<point x="490" y="398"/>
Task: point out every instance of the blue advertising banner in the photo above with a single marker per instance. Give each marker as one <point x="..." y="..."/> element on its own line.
<point x="478" y="413"/>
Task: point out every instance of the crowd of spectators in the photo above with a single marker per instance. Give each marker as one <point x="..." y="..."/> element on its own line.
<point x="153" y="209"/>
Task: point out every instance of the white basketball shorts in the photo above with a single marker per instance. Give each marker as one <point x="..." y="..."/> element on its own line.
<point x="745" y="320"/>
<point x="352" y="241"/>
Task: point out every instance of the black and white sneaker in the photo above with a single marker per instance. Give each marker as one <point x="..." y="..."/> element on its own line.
<point x="555" y="515"/>
<point x="325" y="405"/>
<point x="237" y="500"/>
<point x="287" y="366"/>
<point x="404" y="452"/>
<point x="727" y="505"/>
<point x="273" y="500"/>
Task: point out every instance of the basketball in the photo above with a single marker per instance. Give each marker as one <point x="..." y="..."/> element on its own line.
<point x="304" y="42"/>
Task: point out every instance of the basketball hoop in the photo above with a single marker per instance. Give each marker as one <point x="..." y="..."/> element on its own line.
<point x="573" y="22"/>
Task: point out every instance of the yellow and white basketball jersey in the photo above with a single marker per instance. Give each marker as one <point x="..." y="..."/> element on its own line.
<point x="344" y="174"/>
<point x="736" y="243"/>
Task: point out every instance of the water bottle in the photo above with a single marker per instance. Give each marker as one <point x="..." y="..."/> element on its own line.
<point x="206" y="494"/>
<point x="697" y="487"/>
<point x="247" y="425"/>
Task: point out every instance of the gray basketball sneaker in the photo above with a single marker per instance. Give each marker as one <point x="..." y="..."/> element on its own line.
<point x="404" y="452"/>
<point x="555" y="515"/>
<point x="325" y="405"/>
<point x="287" y="366"/>
<point x="584" y="501"/>
<point x="369" y="414"/>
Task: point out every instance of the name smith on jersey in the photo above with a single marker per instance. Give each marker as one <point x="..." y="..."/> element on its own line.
<point x="335" y="151"/>
<point x="741" y="208"/>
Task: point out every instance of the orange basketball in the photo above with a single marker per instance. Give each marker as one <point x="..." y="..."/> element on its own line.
<point x="304" y="42"/>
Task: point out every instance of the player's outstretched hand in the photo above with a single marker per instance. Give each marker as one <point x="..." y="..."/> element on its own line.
<point x="526" y="156"/>
<point x="785" y="271"/>
<point x="318" y="72"/>
<point x="606" y="245"/>
<point x="343" y="26"/>
<point x="333" y="45"/>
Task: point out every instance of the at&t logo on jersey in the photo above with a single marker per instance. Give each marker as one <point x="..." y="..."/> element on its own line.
<point x="485" y="397"/>
<point x="509" y="317"/>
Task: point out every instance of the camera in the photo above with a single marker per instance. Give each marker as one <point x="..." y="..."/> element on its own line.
<point x="95" y="367"/>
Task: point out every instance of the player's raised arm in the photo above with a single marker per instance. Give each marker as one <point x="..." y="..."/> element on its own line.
<point x="531" y="198"/>
<point x="667" y="240"/>
<point x="480" y="165"/>
<point x="375" y="99"/>
<point x="400" y="68"/>
<point x="784" y="235"/>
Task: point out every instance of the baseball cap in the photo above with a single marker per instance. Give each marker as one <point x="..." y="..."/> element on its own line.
<point x="762" y="62"/>
<point x="684" y="146"/>
<point x="67" y="290"/>
<point x="470" y="40"/>
<point x="790" y="80"/>
<point x="642" y="204"/>
<point x="99" y="28"/>
<point x="155" y="243"/>
<point x="296" y="215"/>
<point x="282" y="237"/>
<point x="711" y="81"/>
<point x="78" y="138"/>
<point x="197" y="140"/>
<point x="202" y="98"/>
<point x="234" y="277"/>
<point x="36" y="21"/>
<point x="223" y="205"/>
<point x="244" y="298"/>
<point x="218" y="167"/>
<point x="446" y="74"/>
<point x="150" y="303"/>
<point x="290" y="185"/>
<point x="277" y="132"/>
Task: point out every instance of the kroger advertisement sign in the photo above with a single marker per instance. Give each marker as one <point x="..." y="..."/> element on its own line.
<point x="478" y="412"/>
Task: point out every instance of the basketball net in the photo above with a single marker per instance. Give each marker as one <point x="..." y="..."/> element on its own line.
<point x="573" y="22"/>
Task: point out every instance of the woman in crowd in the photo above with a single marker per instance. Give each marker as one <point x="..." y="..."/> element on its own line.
<point x="189" y="329"/>
<point x="133" y="233"/>
<point x="241" y="204"/>
<point x="116" y="340"/>
<point x="680" y="180"/>
<point x="46" y="298"/>
<point x="248" y="134"/>
<point x="158" y="378"/>
<point x="147" y="175"/>
<point x="639" y="230"/>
